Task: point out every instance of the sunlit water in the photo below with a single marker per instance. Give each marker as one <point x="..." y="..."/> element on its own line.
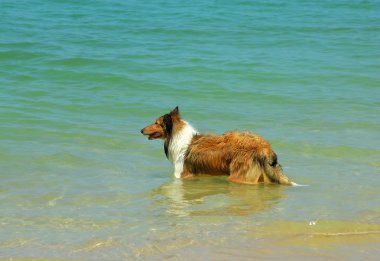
<point x="79" y="80"/>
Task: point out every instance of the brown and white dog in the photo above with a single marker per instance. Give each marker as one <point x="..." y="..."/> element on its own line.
<point x="244" y="157"/>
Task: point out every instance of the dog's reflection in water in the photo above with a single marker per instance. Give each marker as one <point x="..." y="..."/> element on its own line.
<point x="216" y="196"/>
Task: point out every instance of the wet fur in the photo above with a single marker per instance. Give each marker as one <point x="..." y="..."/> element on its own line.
<point x="244" y="157"/>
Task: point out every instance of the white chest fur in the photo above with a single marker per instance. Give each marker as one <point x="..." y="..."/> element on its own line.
<point x="178" y="147"/>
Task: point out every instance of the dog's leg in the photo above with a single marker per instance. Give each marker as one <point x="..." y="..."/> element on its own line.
<point x="247" y="172"/>
<point x="186" y="173"/>
<point x="257" y="171"/>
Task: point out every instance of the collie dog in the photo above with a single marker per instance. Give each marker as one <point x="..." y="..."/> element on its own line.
<point x="244" y="157"/>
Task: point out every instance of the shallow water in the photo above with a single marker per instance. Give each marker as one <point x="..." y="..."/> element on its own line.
<point x="79" y="80"/>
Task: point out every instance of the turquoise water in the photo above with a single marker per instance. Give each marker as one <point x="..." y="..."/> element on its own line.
<point x="79" y="80"/>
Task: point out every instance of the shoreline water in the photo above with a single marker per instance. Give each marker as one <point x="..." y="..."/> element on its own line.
<point x="208" y="218"/>
<point x="288" y="240"/>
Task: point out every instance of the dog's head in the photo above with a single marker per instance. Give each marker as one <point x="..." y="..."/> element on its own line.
<point x="162" y="127"/>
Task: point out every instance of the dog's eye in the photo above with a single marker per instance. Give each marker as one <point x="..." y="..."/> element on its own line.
<point x="156" y="123"/>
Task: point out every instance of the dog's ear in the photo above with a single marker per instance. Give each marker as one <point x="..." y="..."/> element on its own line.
<point x="175" y="111"/>
<point x="168" y="124"/>
<point x="168" y="127"/>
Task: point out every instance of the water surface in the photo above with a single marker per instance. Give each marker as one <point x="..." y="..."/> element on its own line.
<point x="79" y="80"/>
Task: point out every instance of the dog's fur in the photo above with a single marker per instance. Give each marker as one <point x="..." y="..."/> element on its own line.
<point x="244" y="157"/>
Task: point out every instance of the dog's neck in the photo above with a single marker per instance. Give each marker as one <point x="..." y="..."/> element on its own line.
<point x="176" y="145"/>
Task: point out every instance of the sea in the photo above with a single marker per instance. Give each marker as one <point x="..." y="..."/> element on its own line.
<point x="80" y="79"/>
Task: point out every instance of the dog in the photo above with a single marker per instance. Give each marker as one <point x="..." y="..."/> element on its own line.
<point x="244" y="157"/>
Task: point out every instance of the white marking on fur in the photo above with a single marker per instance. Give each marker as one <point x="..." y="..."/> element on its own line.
<point x="298" y="185"/>
<point x="178" y="147"/>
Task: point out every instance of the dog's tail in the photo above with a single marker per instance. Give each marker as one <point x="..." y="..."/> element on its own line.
<point x="274" y="172"/>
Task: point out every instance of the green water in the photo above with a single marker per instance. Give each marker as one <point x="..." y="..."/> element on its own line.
<point x="78" y="80"/>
